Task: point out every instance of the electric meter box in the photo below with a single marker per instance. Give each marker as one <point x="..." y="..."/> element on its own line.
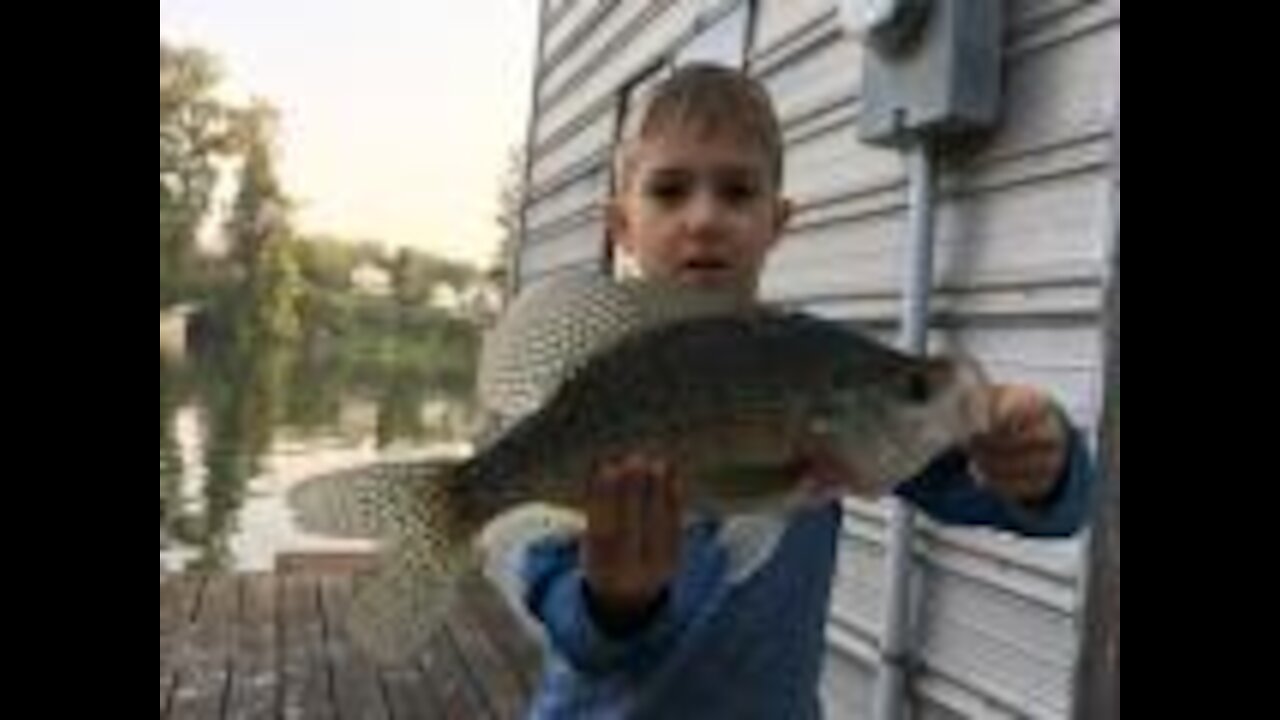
<point x="930" y="67"/>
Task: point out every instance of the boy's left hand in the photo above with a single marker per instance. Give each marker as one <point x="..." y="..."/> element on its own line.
<point x="1024" y="452"/>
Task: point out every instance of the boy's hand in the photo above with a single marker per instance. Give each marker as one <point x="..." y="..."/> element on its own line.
<point x="631" y="548"/>
<point x="1024" y="453"/>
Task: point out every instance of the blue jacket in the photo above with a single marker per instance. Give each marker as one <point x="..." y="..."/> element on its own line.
<point x="752" y="650"/>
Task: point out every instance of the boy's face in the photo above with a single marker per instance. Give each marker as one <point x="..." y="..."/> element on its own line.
<point x="699" y="209"/>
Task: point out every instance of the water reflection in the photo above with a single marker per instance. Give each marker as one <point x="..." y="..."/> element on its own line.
<point x="240" y="419"/>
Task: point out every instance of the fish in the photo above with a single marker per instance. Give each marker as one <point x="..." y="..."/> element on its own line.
<point x="734" y="395"/>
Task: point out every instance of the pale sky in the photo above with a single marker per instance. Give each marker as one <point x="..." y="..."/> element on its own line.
<point x="397" y="115"/>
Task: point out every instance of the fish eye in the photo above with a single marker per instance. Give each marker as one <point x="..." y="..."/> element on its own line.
<point x="916" y="387"/>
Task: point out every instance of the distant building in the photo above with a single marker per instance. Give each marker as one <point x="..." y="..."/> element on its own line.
<point x="369" y="279"/>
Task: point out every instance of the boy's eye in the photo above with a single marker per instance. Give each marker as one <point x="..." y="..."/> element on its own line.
<point x="667" y="192"/>
<point x="739" y="193"/>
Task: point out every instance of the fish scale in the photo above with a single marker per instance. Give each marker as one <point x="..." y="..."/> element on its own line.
<point x="554" y="327"/>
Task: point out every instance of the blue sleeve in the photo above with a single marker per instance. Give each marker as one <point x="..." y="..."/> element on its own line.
<point x="555" y="593"/>
<point x="948" y="492"/>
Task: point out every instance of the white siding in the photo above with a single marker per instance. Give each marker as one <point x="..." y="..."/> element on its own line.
<point x="1022" y="225"/>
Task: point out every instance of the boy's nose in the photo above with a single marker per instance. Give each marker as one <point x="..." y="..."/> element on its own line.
<point x="704" y="214"/>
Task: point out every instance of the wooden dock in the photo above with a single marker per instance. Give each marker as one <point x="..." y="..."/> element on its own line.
<point x="274" y="646"/>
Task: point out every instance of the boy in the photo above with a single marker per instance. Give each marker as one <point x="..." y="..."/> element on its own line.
<point x="639" y="620"/>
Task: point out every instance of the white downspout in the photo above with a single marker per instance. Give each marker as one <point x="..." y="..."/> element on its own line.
<point x="900" y="602"/>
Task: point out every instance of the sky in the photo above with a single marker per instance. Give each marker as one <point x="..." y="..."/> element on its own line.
<point x="397" y="116"/>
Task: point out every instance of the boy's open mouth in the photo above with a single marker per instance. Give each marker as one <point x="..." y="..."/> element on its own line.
<point x="706" y="266"/>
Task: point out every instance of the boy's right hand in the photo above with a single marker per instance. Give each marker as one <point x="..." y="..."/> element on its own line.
<point x="631" y="549"/>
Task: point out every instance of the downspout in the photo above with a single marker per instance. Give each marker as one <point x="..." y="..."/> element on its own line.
<point x="896" y="650"/>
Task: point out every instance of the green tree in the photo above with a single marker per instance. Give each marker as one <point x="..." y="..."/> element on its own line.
<point x="261" y="251"/>
<point x="194" y="134"/>
<point x="510" y="221"/>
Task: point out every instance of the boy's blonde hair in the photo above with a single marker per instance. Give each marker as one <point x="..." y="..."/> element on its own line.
<point x="709" y="99"/>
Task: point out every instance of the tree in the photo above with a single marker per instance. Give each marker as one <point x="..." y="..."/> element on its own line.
<point x="261" y="251"/>
<point x="417" y="276"/>
<point x="510" y="220"/>
<point x="193" y="135"/>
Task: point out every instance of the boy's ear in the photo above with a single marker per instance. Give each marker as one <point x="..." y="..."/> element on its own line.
<point x="782" y="216"/>
<point x="617" y="224"/>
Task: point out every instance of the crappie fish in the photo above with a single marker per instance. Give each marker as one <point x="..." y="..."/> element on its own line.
<point x="733" y="396"/>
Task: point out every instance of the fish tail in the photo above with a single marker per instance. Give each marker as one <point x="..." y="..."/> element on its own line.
<point x="427" y="518"/>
